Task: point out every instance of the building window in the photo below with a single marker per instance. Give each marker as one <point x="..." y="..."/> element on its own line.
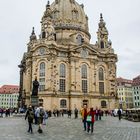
<point x="103" y="104"/>
<point x="42" y="69"/>
<point x="79" y="39"/>
<point x="63" y="103"/>
<point x="62" y="85"/>
<point x="101" y="87"/>
<point x="84" y="78"/>
<point x="42" y="76"/>
<point x="62" y="80"/>
<point x="75" y="15"/>
<point x="55" y="14"/>
<point x="62" y="71"/>
<point x="101" y="74"/>
<point x="101" y="80"/>
<point x="102" y="44"/>
<point x="84" y="71"/>
<point x="84" y="86"/>
<point x="43" y="34"/>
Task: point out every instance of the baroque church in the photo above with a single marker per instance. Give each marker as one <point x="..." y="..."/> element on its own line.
<point x="70" y="70"/>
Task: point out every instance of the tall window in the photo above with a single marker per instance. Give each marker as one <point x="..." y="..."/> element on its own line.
<point x="62" y="80"/>
<point x="102" y="44"/>
<point x="75" y="15"/>
<point x="42" y="76"/>
<point x="101" y="80"/>
<point x="55" y="14"/>
<point x="84" y="78"/>
<point x="101" y="74"/>
<point x="63" y="103"/>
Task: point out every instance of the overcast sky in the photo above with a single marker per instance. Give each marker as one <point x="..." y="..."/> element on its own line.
<point x="122" y="17"/>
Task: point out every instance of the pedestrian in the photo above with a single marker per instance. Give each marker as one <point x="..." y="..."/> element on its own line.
<point x="76" y="113"/>
<point x="30" y="116"/>
<point x="45" y="117"/>
<point x="35" y="116"/>
<point x="69" y="113"/>
<point x="96" y="113"/>
<point x="119" y="114"/>
<point x="100" y="114"/>
<point x="90" y="120"/>
<point x="40" y="113"/>
<point x="84" y="116"/>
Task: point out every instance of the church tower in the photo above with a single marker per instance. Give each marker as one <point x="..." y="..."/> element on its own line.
<point x="71" y="71"/>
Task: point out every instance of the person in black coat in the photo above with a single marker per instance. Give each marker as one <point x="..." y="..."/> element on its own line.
<point x="30" y="116"/>
<point x="119" y="114"/>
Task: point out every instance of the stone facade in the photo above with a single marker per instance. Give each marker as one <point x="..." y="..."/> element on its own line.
<point x="70" y="70"/>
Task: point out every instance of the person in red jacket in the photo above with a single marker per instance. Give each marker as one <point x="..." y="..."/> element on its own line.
<point x="90" y="120"/>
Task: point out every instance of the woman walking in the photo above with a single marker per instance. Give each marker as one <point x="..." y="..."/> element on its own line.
<point x="90" y="120"/>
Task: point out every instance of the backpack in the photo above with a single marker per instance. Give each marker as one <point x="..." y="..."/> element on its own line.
<point x="41" y="112"/>
<point x="31" y="115"/>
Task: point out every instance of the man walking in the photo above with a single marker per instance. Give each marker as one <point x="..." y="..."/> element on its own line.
<point x="84" y="116"/>
<point x="119" y="114"/>
<point x="40" y="113"/>
<point x="30" y="116"/>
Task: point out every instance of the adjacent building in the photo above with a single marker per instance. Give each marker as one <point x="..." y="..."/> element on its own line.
<point x="9" y="96"/>
<point x="125" y="93"/>
<point x="71" y="71"/>
<point x="136" y="92"/>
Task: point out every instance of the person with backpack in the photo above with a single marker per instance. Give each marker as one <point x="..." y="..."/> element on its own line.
<point x="30" y="116"/>
<point x="40" y="113"/>
<point x="90" y="120"/>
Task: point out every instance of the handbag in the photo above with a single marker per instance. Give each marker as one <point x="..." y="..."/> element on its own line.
<point x="89" y="118"/>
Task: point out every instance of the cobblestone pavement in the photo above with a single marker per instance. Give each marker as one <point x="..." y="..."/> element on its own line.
<point x="109" y="128"/>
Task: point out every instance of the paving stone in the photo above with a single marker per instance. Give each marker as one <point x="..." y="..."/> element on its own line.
<point x="63" y="128"/>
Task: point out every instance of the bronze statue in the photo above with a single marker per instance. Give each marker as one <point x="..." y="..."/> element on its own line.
<point x="35" y="87"/>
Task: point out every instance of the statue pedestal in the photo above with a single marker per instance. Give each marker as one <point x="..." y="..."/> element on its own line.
<point x="34" y="100"/>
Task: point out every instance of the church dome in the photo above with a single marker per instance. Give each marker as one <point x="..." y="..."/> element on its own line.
<point x="68" y="14"/>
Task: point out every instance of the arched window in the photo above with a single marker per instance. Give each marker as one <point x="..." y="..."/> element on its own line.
<point x="62" y="80"/>
<point x="101" y="80"/>
<point x="62" y="71"/>
<point x="42" y="76"/>
<point x="102" y="44"/>
<point x="63" y="103"/>
<point x="101" y="74"/>
<point x="103" y="104"/>
<point x="84" y="78"/>
<point x="43" y="34"/>
<point x="75" y="15"/>
<point x="84" y="71"/>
